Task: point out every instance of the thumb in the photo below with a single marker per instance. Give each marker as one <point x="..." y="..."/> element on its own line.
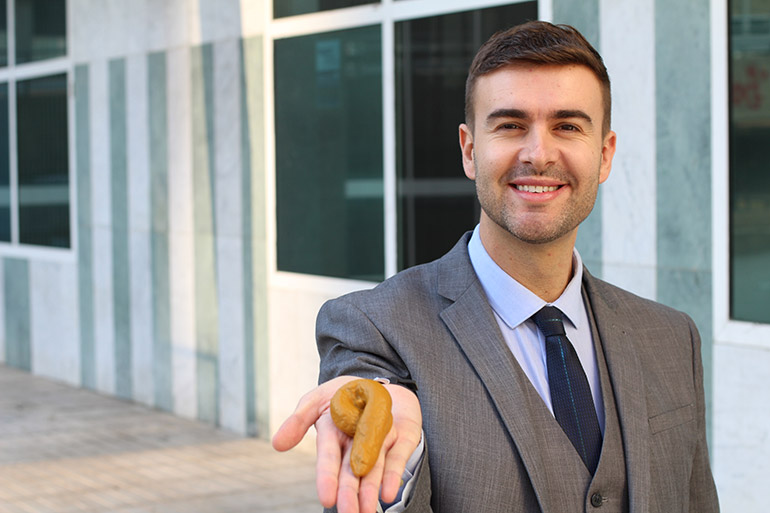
<point x="308" y="411"/>
<point x="291" y="432"/>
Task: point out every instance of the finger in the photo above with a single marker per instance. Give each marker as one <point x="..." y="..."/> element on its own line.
<point x="393" y="469"/>
<point x="347" y="493"/>
<point x="328" y="461"/>
<point x="407" y="430"/>
<point x="291" y="432"/>
<point x="370" y="484"/>
<point x="310" y="407"/>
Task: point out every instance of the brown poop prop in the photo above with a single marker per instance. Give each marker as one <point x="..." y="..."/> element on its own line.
<point x="361" y="409"/>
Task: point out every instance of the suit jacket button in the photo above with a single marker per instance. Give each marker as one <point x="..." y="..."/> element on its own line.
<point x="597" y="500"/>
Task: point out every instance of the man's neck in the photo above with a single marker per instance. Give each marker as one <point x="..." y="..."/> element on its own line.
<point x="545" y="269"/>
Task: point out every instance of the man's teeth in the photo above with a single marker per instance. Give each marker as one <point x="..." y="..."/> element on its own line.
<point x="537" y="188"/>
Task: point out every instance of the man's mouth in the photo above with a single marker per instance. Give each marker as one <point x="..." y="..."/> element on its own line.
<point x="537" y="188"/>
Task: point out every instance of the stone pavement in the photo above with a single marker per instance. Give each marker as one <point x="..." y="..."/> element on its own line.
<point x="64" y="449"/>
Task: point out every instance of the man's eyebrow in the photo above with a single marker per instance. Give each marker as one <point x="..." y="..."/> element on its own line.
<point x="507" y="113"/>
<point x="572" y="113"/>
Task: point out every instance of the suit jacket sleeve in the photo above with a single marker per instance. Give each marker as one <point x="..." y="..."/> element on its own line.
<point x="703" y="495"/>
<point x="349" y="343"/>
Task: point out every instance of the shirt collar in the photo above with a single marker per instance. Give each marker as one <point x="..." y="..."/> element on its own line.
<point x="511" y="300"/>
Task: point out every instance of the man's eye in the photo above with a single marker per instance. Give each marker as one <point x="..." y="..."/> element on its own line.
<point x="509" y="126"/>
<point x="569" y="128"/>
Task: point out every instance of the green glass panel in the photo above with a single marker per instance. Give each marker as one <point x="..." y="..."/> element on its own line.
<point x="749" y="167"/>
<point x="437" y="203"/>
<point x="5" y="185"/>
<point x="44" y="211"/>
<point x="329" y="178"/>
<point x="283" y="8"/>
<point x="41" y="29"/>
<point x="3" y="33"/>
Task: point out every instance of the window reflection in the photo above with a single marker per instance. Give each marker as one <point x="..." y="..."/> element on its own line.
<point x="329" y="179"/>
<point x="40" y="30"/>
<point x="3" y="33"/>
<point x="5" y="184"/>
<point x="43" y="161"/>
<point x="749" y="168"/>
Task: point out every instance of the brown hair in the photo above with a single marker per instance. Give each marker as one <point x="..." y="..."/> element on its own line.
<point x="537" y="42"/>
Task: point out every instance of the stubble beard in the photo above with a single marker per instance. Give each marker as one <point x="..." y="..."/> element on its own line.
<point x="522" y="226"/>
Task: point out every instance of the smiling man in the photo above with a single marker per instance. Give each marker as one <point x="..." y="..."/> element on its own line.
<point x="519" y="381"/>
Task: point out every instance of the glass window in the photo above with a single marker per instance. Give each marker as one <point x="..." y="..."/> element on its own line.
<point x="749" y="167"/>
<point x="43" y="161"/>
<point x="3" y="33"/>
<point x="5" y="174"/>
<point x="437" y="203"/>
<point x="34" y="184"/>
<point x="40" y="30"/>
<point x="329" y="170"/>
<point x="283" y="8"/>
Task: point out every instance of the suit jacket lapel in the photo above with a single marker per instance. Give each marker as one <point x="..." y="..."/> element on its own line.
<point x="627" y="381"/>
<point x="472" y="322"/>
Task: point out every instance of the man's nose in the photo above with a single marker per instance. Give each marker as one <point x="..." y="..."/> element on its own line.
<point x="539" y="149"/>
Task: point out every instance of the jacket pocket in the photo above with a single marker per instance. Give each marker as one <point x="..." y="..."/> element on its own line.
<point x="672" y="418"/>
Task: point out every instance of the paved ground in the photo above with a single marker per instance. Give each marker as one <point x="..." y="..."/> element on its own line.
<point x="66" y="450"/>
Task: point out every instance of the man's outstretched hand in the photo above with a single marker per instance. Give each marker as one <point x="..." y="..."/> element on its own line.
<point x="335" y="481"/>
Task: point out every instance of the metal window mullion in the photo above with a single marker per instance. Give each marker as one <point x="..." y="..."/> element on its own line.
<point x="389" y="140"/>
<point x="13" y="161"/>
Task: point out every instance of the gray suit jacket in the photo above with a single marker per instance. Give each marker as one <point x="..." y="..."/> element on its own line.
<point x="433" y="324"/>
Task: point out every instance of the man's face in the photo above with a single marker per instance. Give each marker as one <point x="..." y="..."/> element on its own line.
<point x="536" y="151"/>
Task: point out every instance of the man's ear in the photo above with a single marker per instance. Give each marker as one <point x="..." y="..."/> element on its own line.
<point x="466" y="147"/>
<point x="608" y="152"/>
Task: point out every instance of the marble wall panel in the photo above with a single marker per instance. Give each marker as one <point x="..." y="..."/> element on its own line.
<point x="85" y="225"/>
<point x="158" y="135"/>
<point x="104" y="324"/>
<point x="120" y="231"/>
<point x="231" y="365"/>
<point x="255" y="217"/>
<point x="54" y="321"/>
<point x="639" y="279"/>
<point x="204" y="222"/>
<point x="741" y="427"/>
<point x="180" y="232"/>
<point x="100" y="143"/>
<point x="115" y="28"/>
<point x="628" y="199"/>
<point x="139" y="242"/>
<point x="682" y="54"/>
<point x="229" y="229"/>
<point x="18" y="346"/>
<point x="101" y="241"/>
<point x="215" y="20"/>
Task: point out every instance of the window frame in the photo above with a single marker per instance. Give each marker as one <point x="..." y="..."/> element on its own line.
<point x="725" y="329"/>
<point x="386" y="14"/>
<point x="11" y="75"/>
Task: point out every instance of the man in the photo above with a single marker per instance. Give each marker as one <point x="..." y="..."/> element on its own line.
<point x="499" y="404"/>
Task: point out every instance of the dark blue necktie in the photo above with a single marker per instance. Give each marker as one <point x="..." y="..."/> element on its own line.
<point x="573" y="404"/>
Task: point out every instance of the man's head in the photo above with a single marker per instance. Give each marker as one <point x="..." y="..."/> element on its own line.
<point x="537" y="42"/>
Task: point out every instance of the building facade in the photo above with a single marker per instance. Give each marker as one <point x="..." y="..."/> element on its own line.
<point x="185" y="182"/>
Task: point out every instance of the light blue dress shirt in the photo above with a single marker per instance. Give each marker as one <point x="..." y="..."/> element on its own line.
<point x="514" y="305"/>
